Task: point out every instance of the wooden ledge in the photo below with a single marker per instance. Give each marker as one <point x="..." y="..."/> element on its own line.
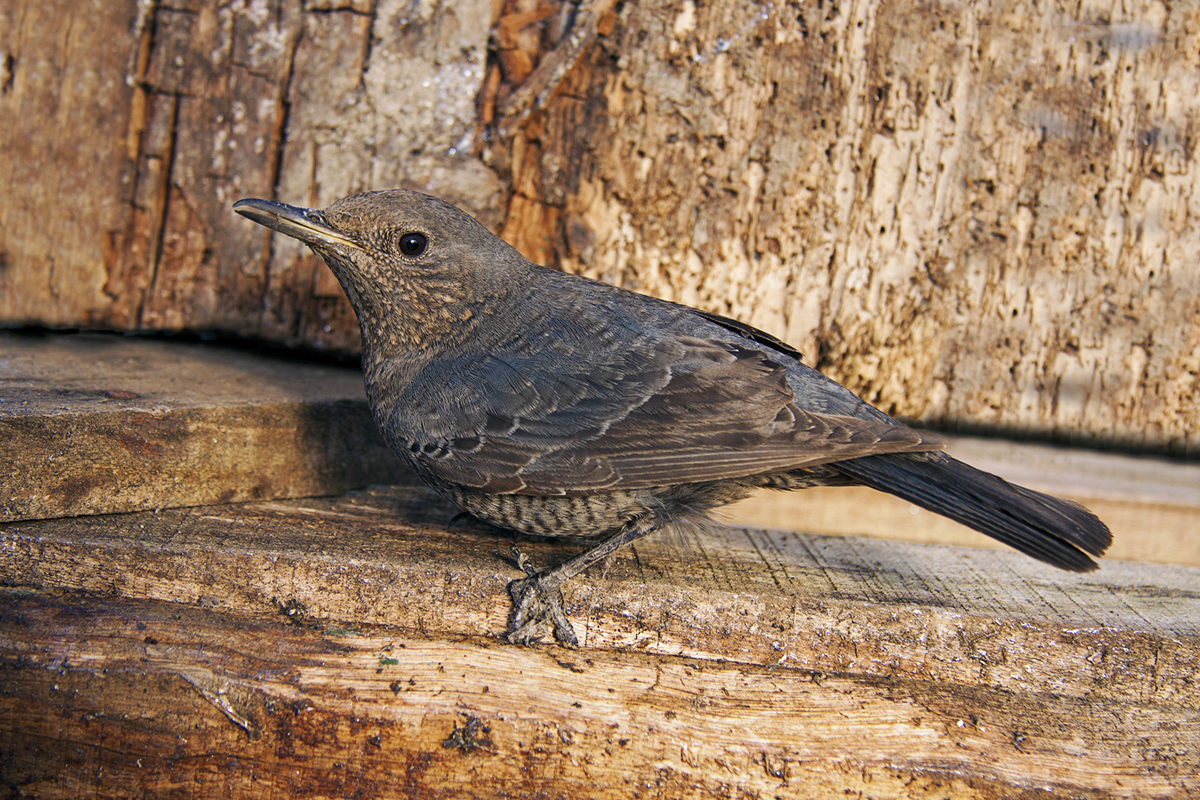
<point x="354" y="636"/>
<point x="134" y="698"/>
<point x="1151" y="504"/>
<point x="94" y="423"/>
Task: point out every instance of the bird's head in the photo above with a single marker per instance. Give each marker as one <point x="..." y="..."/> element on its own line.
<point x="419" y="272"/>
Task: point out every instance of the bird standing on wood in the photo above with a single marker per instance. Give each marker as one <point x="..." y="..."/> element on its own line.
<point x="559" y="406"/>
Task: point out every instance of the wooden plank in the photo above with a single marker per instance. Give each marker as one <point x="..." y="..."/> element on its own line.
<point x="1151" y="504"/>
<point x="758" y="662"/>
<point x="98" y="424"/>
<point x="130" y="699"/>
<point x="102" y="424"/>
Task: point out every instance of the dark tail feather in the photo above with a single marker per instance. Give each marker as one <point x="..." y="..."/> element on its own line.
<point x="1056" y="531"/>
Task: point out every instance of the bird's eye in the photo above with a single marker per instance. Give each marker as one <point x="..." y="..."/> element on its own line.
<point x="413" y="244"/>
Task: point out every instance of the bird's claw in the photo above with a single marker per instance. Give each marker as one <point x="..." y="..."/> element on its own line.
<point x="538" y="611"/>
<point x="523" y="561"/>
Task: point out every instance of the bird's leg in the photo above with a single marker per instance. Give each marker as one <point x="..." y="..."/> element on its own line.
<point x="538" y="600"/>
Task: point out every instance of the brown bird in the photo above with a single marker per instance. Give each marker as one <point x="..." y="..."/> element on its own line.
<point x="559" y="406"/>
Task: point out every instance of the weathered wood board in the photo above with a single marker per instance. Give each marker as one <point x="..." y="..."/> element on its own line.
<point x="328" y="648"/>
<point x="131" y="127"/>
<point x="92" y="424"/>
<point x="1152" y="505"/>
<point x="101" y="424"/>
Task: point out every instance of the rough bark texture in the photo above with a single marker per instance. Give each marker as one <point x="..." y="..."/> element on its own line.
<point x="151" y="654"/>
<point x="980" y="213"/>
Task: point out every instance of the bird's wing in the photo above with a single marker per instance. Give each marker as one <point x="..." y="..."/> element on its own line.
<point x="682" y="410"/>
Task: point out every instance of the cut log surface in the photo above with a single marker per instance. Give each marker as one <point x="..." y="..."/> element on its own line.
<point x="350" y="645"/>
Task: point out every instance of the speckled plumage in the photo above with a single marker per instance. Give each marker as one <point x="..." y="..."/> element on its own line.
<point x="556" y="405"/>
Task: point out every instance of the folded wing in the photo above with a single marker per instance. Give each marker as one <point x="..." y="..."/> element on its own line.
<point x="683" y="410"/>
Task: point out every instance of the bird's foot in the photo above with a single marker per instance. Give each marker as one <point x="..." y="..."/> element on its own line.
<point x="538" y="607"/>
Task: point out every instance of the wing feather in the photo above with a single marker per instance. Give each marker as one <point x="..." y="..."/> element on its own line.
<point x="683" y="410"/>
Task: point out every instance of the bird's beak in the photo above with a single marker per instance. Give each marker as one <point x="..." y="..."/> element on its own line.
<point x="306" y="224"/>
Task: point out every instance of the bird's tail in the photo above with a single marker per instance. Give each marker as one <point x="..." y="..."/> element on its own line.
<point x="1056" y="531"/>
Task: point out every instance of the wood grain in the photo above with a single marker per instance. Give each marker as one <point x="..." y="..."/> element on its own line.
<point x="98" y="424"/>
<point x="325" y="647"/>
<point x="973" y="215"/>
<point x="979" y="215"/>
<point x="103" y="424"/>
